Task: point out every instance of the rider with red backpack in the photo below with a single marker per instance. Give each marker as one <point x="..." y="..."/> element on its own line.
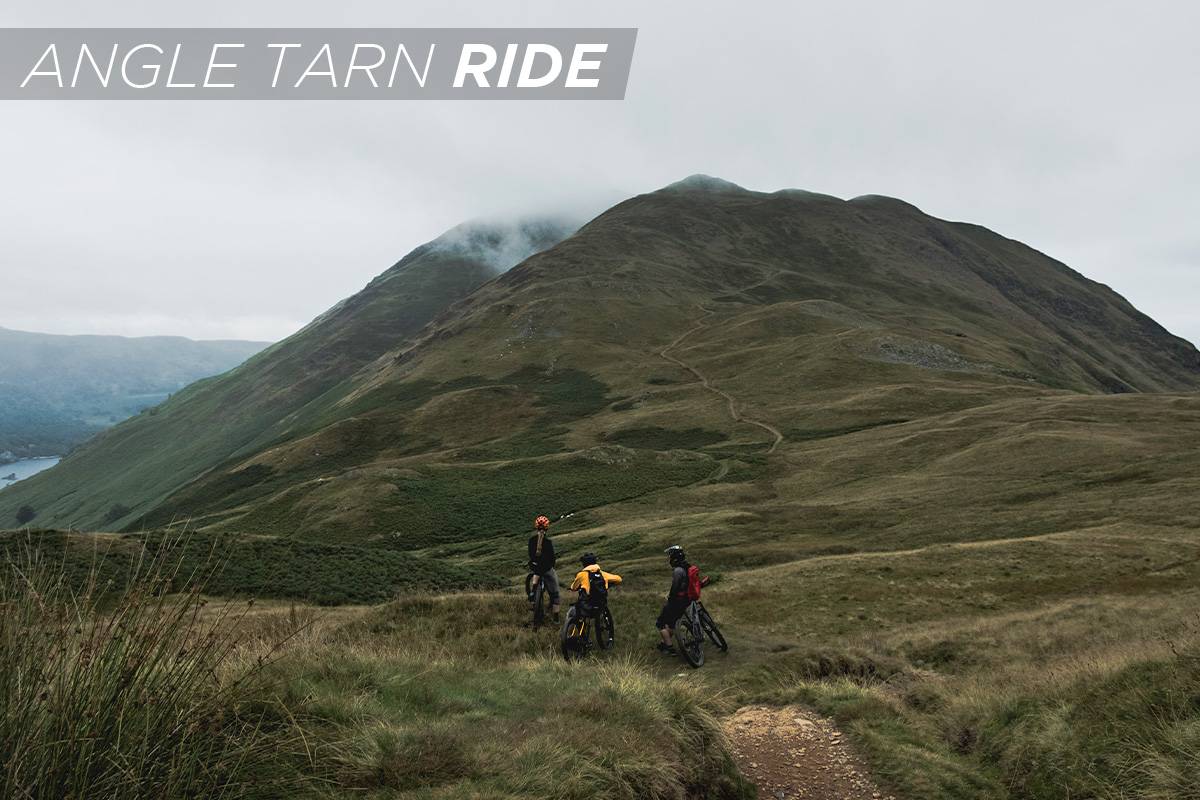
<point x="685" y="587"/>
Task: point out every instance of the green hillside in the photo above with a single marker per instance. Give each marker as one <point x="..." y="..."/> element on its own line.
<point x="136" y="464"/>
<point x="680" y="337"/>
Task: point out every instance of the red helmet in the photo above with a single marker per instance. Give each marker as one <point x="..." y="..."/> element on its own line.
<point x="542" y="523"/>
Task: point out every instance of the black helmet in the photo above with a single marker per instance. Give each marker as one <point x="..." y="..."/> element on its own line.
<point x="676" y="554"/>
<point x="587" y="559"/>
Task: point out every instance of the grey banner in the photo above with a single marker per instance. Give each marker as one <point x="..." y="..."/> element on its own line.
<point x="315" y="63"/>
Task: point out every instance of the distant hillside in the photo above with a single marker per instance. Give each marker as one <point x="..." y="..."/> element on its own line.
<point x="210" y="421"/>
<point x="700" y="335"/>
<point x="56" y="391"/>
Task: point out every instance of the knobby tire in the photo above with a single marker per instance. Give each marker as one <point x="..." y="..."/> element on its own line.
<point x="689" y="638"/>
<point x="604" y="631"/>
<point x="541" y="603"/>
<point x="574" y="636"/>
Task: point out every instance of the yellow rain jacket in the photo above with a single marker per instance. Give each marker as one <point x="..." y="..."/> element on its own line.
<point x="582" y="580"/>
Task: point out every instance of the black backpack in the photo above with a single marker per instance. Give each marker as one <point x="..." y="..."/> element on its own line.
<point x="597" y="588"/>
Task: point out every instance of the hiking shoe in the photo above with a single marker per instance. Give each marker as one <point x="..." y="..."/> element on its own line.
<point x="665" y="648"/>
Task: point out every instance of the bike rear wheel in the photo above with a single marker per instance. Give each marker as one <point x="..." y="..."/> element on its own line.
<point x="574" y="636"/>
<point x="710" y="628"/>
<point x="541" y="603"/>
<point x="689" y="638"/>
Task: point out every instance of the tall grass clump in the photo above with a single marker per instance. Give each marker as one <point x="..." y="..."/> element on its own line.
<point x="1131" y="734"/>
<point x="125" y="691"/>
<point x="437" y="697"/>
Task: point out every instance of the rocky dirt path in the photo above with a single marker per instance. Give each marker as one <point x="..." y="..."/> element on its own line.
<point x="794" y="752"/>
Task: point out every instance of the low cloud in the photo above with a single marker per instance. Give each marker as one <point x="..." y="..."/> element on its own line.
<point x="504" y="244"/>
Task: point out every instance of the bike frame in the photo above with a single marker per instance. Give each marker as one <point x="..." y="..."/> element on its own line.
<point x="577" y="636"/>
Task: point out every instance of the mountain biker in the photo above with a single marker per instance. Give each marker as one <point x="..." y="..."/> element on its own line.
<point x="541" y="563"/>
<point x="677" y="599"/>
<point x="592" y="602"/>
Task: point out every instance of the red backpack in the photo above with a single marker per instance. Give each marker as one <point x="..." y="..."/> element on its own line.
<point x="693" y="584"/>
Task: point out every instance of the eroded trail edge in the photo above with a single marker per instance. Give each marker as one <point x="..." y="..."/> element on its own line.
<point x="795" y="752"/>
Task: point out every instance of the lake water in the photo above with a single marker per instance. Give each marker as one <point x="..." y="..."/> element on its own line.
<point x="23" y="469"/>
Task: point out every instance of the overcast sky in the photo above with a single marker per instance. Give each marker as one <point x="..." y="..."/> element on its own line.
<point x="1070" y="126"/>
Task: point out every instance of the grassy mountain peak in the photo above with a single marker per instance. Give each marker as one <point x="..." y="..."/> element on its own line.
<point x="681" y="335"/>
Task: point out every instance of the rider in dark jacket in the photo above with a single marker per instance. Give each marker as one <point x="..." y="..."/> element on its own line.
<point x="677" y="598"/>
<point x="541" y="562"/>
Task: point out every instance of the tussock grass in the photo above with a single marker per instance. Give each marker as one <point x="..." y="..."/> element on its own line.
<point x="1099" y="700"/>
<point x="1091" y="696"/>
<point x="450" y="696"/>
<point x="1025" y="669"/>
<point x="126" y="691"/>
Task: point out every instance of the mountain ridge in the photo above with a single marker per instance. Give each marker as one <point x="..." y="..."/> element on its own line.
<point x="211" y="420"/>
<point x="879" y="312"/>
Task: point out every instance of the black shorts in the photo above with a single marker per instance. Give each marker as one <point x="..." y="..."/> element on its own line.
<point x="671" y="612"/>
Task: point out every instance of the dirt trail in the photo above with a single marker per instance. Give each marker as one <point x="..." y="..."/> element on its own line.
<point x="707" y="384"/>
<point x="720" y="472"/>
<point x="794" y="752"/>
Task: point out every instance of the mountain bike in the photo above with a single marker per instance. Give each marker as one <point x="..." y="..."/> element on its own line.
<point x="540" y="601"/>
<point x="690" y="631"/>
<point x="577" y="633"/>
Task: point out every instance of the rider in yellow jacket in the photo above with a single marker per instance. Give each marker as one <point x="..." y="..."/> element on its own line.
<point x="588" y="605"/>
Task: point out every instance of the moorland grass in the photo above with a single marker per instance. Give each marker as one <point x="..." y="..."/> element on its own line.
<point x="659" y="438"/>
<point x="452" y="696"/>
<point x="438" y="504"/>
<point x="312" y="572"/>
<point x="150" y="692"/>
<point x="125" y="690"/>
<point x="1049" y="685"/>
<point x="1078" y="694"/>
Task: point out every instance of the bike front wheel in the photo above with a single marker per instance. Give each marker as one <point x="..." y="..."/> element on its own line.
<point x="710" y="628"/>
<point x="689" y="638"/>
<point x="604" y="631"/>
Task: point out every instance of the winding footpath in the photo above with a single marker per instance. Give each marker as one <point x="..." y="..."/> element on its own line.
<point x="708" y="384"/>
<point x="792" y="752"/>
